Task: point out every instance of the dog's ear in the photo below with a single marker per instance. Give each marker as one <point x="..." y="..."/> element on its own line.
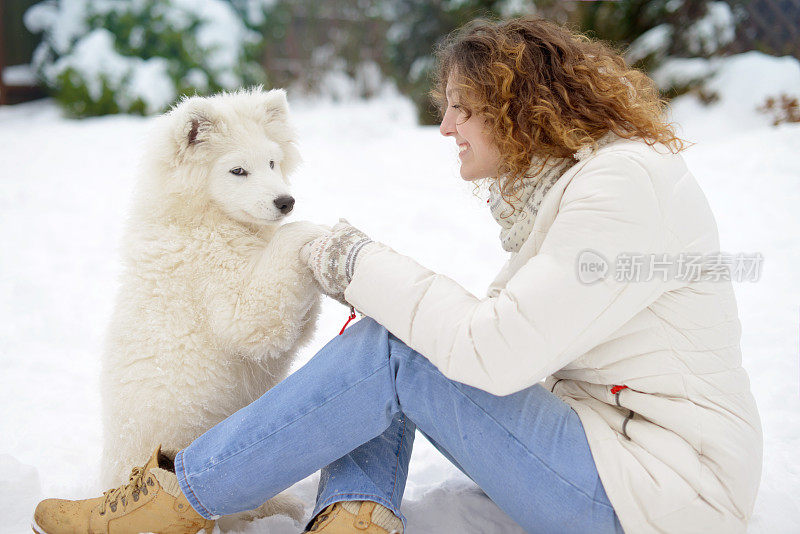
<point x="198" y="128"/>
<point x="280" y="129"/>
<point x="198" y="123"/>
<point x="276" y="107"/>
<point x="291" y="158"/>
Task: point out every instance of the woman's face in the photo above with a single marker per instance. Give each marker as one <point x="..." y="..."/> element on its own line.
<point x="479" y="156"/>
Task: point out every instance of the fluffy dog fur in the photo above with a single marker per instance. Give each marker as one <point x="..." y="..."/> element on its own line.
<point x="214" y="300"/>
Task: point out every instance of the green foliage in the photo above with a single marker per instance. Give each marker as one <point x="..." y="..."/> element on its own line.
<point x="74" y="97"/>
<point x="156" y="39"/>
<point x="651" y="31"/>
<point x="142" y="30"/>
<point x="421" y="26"/>
<point x="622" y="23"/>
<point x="300" y="42"/>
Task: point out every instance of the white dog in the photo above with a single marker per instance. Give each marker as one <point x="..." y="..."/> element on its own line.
<point x="214" y="300"/>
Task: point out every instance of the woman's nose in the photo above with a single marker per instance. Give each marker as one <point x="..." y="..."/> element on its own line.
<point x="446" y="127"/>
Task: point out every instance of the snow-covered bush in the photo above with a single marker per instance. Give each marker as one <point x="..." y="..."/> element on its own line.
<point x="138" y="56"/>
<point x="655" y="32"/>
<point x="740" y="88"/>
<point x="783" y="108"/>
<point x="331" y="50"/>
<point x="696" y="29"/>
<point x="416" y="28"/>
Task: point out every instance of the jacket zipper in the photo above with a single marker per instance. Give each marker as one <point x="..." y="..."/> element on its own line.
<point x="554" y="385"/>
<point x="616" y="390"/>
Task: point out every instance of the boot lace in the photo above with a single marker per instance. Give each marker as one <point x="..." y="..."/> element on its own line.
<point x="136" y="485"/>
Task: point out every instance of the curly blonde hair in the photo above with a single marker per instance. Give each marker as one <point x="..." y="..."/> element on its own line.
<point x="546" y="91"/>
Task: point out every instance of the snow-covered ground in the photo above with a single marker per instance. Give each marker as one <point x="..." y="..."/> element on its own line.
<point x="65" y="186"/>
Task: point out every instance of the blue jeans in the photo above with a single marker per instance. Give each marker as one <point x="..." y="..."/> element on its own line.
<point x="352" y="411"/>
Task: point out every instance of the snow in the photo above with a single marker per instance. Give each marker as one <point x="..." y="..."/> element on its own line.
<point x="335" y="84"/>
<point x="682" y="72"/>
<point x="703" y="37"/>
<point x="16" y="75"/>
<point x="515" y="8"/>
<point x="64" y="21"/>
<point x="96" y="62"/>
<point x="422" y="66"/>
<point x="221" y="32"/>
<point x="151" y="82"/>
<point x="742" y="83"/>
<point x="715" y="30"/>
<point x="21" y="481"/>
<point x="254" y="10"/>
<point x="66" y="184"/>
<point x="196" y="78"/>
<point x="654" y="41"/>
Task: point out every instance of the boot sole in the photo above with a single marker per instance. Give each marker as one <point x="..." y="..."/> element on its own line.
<point x="39" y="530"/>
<point x="36" y="528"/>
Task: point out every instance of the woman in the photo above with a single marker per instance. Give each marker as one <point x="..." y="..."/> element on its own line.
<point x="645" y="421"/>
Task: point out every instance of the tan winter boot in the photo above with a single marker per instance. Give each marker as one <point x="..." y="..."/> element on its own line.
<point x="356" y="517"/>
<point x="142" y="505"/>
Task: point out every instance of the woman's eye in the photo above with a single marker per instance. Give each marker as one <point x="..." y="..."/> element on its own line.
<point x="238" y="171"/>
<point x="271" y="164"/>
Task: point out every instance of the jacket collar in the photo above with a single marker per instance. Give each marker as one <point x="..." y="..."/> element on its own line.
<point x="549" y="209"/>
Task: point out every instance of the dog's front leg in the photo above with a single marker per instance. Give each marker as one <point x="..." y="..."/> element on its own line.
<point x="280" y="299"/>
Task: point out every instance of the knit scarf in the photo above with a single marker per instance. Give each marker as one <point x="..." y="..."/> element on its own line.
<point x="516" y="214"/>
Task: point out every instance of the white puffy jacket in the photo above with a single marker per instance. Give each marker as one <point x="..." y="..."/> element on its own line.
<point x="679" y="450"/>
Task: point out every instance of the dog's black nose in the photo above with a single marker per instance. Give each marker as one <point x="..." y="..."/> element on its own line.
<point x="284" y="204"/>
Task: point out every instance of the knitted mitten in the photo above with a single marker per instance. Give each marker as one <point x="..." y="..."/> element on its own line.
<point x="332" y="258"/>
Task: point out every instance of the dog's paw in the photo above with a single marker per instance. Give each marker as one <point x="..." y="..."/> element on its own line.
<point x="292" y="236"/>
<point x="284" y="503"/>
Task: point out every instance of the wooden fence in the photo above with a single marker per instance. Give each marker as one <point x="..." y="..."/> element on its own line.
<point x="16" y="47"/>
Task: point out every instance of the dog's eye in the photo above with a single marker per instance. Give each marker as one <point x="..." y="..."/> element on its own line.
<point x="271" y="164"/>
<point x="238" y="171"/>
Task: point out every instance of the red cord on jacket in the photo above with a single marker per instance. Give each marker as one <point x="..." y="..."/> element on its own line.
<point x="617" y="389"/>
<point x="352" y="316"/>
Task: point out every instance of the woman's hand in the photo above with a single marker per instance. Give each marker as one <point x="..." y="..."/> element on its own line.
<point x="332" y="258"/>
